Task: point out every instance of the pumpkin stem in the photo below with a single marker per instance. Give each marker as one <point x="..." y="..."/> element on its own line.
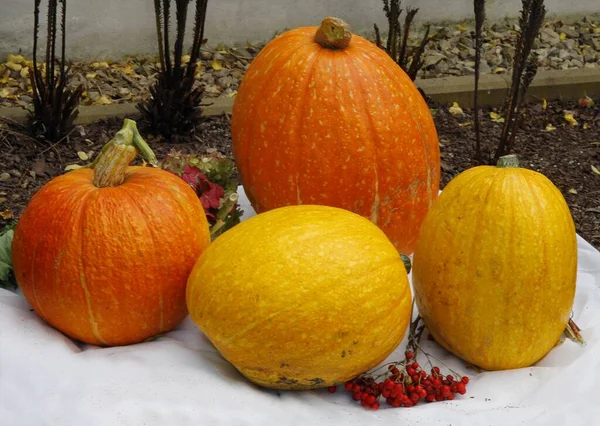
<point x="506" y="161"/>
<point x="116" y="155"/>
<point x="333" y="33"/>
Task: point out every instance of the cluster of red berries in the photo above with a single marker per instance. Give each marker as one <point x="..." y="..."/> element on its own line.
<point x="405" y="386"/>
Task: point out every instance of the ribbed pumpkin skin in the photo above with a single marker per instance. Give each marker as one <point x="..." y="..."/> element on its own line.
<point x="109" y="266"/>
<point x="495" y="267"/>
<point x="301" y="297"/>
<point x="344" y="128"/>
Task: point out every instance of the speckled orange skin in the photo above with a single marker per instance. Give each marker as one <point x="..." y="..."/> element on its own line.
<point x="495" y="267"/>
<point x="301" y="297"/>
<point x="109" y="266"/>
<point x="345" y="128"/>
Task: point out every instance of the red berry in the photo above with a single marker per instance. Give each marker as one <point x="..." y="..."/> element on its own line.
<point x="436" y="383"/>
<point x="435" y="370"/>
<point x="414" y="397"/>
<point x="356" y="388"/>
<point x="396" y="402"/>
<point x="409" y="355"/>
<point x="415" y="378"/>
<point x="445" y="390"/>
<point x="410" y="371"/>
<point x="371" y="399"/>
<point x="375" y="406"/>
<point x="450" y="397"/>
<point x="450" y="377"/>
<point x="464" y="379"/>
<point x="395" y="371"/>
<point x="332" y="389"/>
<point x="415" y="365"/>
<point x="357" y="396"/>
<point x="349" y="386"/>
<point x="430" y="398"/>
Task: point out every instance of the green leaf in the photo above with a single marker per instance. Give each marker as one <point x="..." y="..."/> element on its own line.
<point x="5" y="258"/>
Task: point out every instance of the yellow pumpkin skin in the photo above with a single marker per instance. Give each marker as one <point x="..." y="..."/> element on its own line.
<point x="495" y="267"/>
<point x="301" y="297"/>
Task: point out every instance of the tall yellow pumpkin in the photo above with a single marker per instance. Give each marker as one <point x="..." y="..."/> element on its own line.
<point x="495" y="266"/>
<point x="301" y="297"/>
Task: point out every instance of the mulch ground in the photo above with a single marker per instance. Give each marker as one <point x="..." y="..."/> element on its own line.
<point x="565" y="155"/>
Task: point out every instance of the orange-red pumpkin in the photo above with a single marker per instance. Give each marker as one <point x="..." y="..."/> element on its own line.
<point x="326" y="117"/>
<point x="104" y="254"/>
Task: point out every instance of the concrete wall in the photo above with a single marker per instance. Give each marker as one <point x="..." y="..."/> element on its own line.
<point x="99" y="29"/>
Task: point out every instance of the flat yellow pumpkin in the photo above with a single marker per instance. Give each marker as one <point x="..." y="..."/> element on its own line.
<point x="301" y="297"/>
<point x="495" y="267"/>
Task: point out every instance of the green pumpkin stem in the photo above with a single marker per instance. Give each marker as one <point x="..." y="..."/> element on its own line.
<point x="117" y="154"/>
<point x="507" y="161"/>
<point x="333" y="33"/>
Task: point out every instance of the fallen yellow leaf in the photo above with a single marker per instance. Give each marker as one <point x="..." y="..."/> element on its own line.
<point x="231" y="94"/>
<point x="25" y="72"/>
<point x="103" y="100"/>
<point x="467" y="124"/>
<point x="128" y="69"/>
<point x="17" y="59"/>
<point x="563" y="36"/>
<point x="573" y="191"/>
<point x="216" y="65"/>
<point x="13" y="66"/>
<point x="455" y="109"/>
<point x="497" y="118"/>
<point x="5" y="78"/>
<point x="570" y="119"/>
<point x="82" y="155"/>
<point x="185" y="59"/>
<point x="90" y="75"/>
<point x="73" y="167"/>
<point x="6" y="214"/>
<point x="97" y="65"/>
<point x="595" y="170"/>
<point x="544" y="104"/>
<point x="550" y="127"/>
<point x="586" y="126"/>
<point x="461" y="27"/>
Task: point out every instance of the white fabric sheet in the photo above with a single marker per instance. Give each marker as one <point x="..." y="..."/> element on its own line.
<point x="180" y="380"/>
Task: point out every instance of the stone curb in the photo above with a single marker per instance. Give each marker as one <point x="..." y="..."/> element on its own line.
<point x="550" y="85"/>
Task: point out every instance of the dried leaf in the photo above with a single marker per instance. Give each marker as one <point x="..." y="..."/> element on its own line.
<point x="467" y="124"/>
<point x="595" y="170"/>
<point x="25" y="72"/>
<point x="90" y="75"/>
<point x="185" y="59"/>
<point x="586" y="102"/>
<point x="103" y="100"/>
<point x="216" y="65"/>
<point x="496" y="118"/>
<point x="462" y="28"/>
<point x="231" y="94"/>
<point x="73" y="167"/>
<point x="17" y="59"/>
<point x="455" y="109"/>
<point x="97" y="65"/>
<point x="586" y="126"/>
<point x="544" y="104"/>
<point x="570" y="119"/>
<point x="572" y="191"/>
<point x="82" y="155"/>
<point x="550" y="127"/>
<point x="563" y="36"/>
<point x="6" y="214"/>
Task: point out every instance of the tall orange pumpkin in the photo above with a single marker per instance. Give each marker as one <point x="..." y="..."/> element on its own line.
<point x="103" y="254"/>
<point x="326" y="117"/>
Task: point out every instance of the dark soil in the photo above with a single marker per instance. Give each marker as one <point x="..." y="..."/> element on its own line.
<point x="565" y="155"/>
